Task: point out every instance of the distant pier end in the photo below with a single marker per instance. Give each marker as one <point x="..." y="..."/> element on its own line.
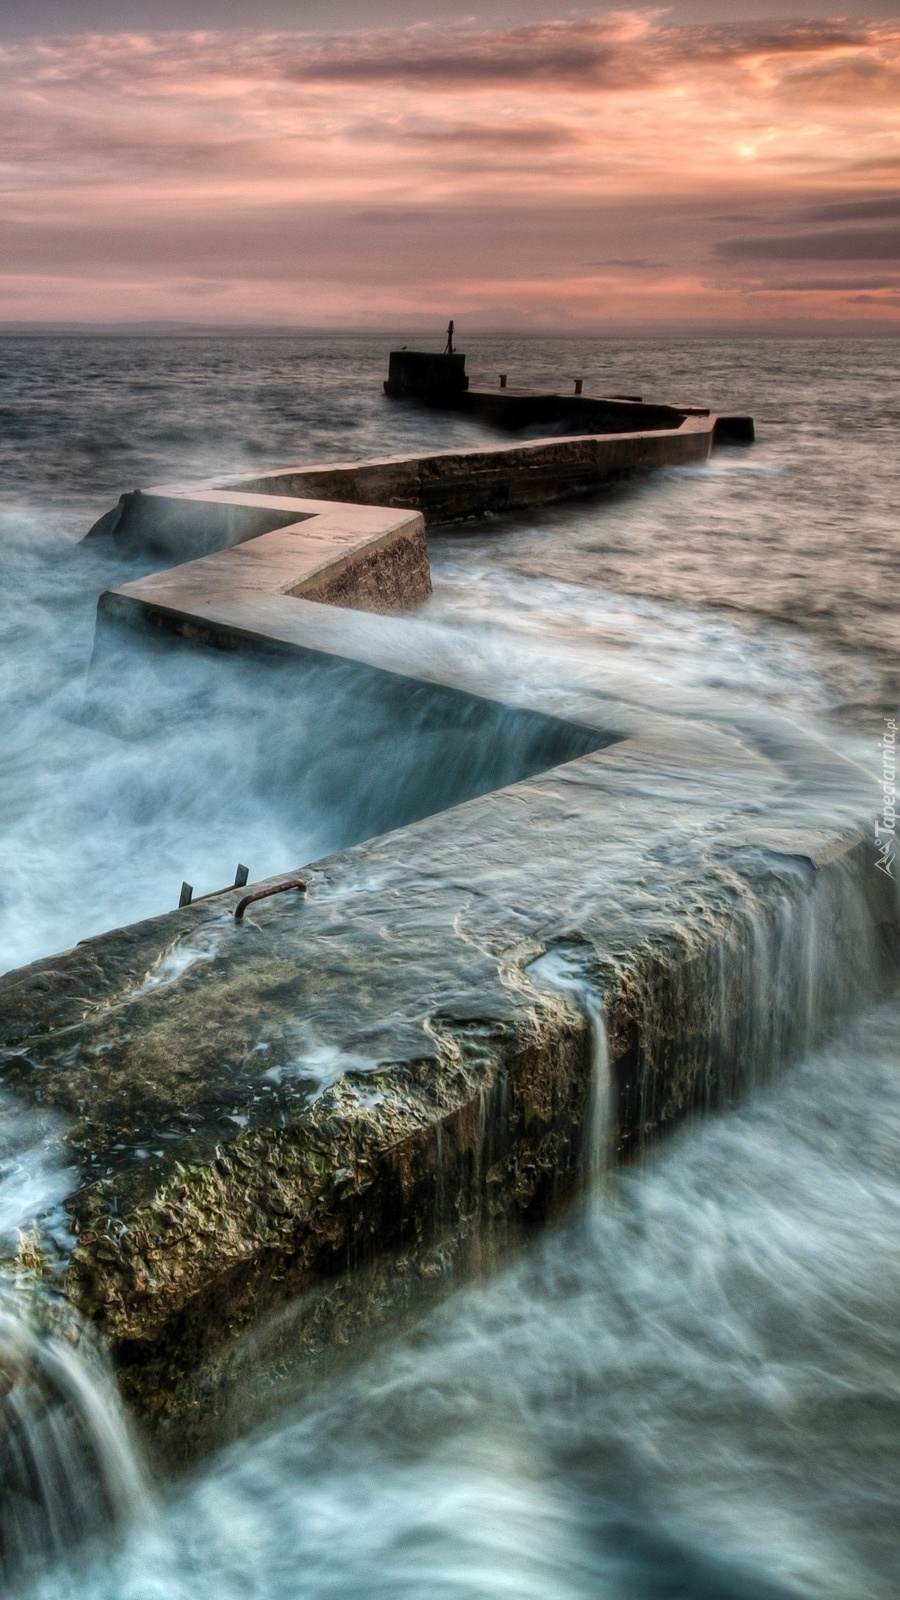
<point x="440" y="381"/>
<point x="414" y="373"/>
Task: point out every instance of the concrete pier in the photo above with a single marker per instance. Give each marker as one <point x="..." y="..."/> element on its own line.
<point x="362" y="1078"/>
<point x="355" y="1082"/>
<point x="440" y="382"/>
<point x="370" y="557"/>
<point x="445" y="487"/>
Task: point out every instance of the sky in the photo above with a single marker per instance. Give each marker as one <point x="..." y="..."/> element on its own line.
<point x="332" y="164"/>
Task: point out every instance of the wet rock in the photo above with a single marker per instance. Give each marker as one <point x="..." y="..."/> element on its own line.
<point x="377" y="1072"/>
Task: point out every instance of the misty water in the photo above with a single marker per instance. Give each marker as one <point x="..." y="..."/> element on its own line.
<point x="691" y="1385"/>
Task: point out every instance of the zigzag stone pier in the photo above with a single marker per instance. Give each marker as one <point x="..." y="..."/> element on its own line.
<point x="349" y="1091"/>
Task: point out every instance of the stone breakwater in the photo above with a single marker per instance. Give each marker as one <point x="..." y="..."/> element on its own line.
<point x="444" y="487"/>
<point x="351" y="1089"/>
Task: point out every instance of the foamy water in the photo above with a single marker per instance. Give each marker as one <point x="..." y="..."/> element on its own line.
<point x="690" y="1388"/>
<point x="558" y="971"/>
<point x="70" y="1473"/>
<point x="676" y="585"/>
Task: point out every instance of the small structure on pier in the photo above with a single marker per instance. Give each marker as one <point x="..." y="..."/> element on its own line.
<point x="425" y="375"/>
<point x="440" y="381"/>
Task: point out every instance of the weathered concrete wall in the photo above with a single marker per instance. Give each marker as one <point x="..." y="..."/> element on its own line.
<point x="219" y="1173"/>
<point x="453" y="485"/>
<point x="184" y="522"/>
<point x="297" y="533"/>
<point x="175" y="521"/>
<point x="516" y="410"/>
<point x="373" y="558"/>
<point x="390" y="576"/>
<point x="410" y="372"/>
<point x="439" y="382"/>
<point x="485" y="1126"/>
<point x="374" y="1071"/>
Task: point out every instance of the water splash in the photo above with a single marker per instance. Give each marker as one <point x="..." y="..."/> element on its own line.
<point x="560" y="970"/>
<point x="68" y="1466"/>
<point x="35" y="1175"/>
<point x="69" y="1469"/>
<point x="187" y="954"/>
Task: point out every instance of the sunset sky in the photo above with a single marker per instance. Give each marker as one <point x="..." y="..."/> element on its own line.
<point x="387" y="165"/>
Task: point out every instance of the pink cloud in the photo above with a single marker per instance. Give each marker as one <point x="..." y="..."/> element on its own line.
<point x="368" y="171"/>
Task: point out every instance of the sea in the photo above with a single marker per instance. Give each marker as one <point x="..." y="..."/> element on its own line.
<point x="687" y="1388"/>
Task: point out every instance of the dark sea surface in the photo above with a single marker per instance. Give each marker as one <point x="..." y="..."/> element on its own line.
<point x="689" y="1390"/>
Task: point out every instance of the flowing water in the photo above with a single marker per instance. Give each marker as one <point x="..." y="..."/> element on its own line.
<point x="69" y="1469"/>
<point x="691" y="1388"/>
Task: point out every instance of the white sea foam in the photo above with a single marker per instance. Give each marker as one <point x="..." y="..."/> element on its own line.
<point x="203" y="946"/>
<point x="318" y="1064"/>
<point x="35" y="1174"/>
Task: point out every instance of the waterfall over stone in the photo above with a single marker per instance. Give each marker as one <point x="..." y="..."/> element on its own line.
<point x="68" y="1465"/>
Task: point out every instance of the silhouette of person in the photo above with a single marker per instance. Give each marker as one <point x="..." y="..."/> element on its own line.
<point x="448" y="347"/>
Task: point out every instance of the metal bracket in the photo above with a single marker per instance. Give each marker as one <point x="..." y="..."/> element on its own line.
<point x="265" y="894"/>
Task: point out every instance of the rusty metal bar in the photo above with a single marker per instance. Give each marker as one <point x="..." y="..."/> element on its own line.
<point x="264" y="894"/>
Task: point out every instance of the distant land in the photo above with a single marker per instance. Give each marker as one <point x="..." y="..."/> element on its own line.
<point x="194" y="330"/>
<point x="434" y="331"/>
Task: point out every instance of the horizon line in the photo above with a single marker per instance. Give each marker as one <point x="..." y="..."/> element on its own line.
<point x="165" y="327"/>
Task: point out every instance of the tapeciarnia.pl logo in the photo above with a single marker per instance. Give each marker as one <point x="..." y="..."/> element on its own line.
<point x="886" y="827"/>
